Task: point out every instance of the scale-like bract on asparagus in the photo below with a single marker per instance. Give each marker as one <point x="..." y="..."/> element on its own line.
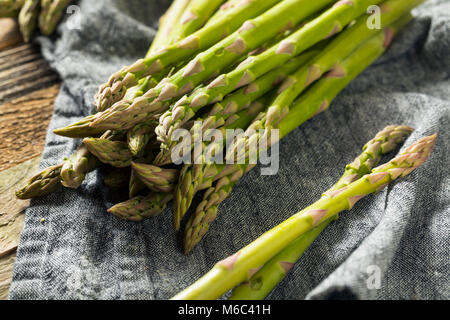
<point x="28" y="18"/>
<point x="263" y="281"/>
<point x="326" y="25"/>
<point x="140" y="207"/>
<point x="167" y="23"/>
<point x="246" y="262"/>
<point x="51" y="13"/>
<point x="309" y="104"/>
<point x="250" y="36"/>
<point x="75" y="168"/>
<point x="115" y="88"/>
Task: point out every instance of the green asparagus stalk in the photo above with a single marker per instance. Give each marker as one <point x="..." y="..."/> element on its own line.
<point x="114" y="153"/>
<point x="250" y="36"/>
<point x="75" y="168"/>
<point x="139" y="136"/>
<point x="51" y="13"/>
<point x="8" y="13"/>
<point x="28" y="17"/>
<point x="41" y="184"/>
<point x="309" y="104"/>
<point x="156" y="178"/>
<point x="115" y="88"/>
<point x="223" y="113"/>
<point x="117" y="178"/>
<point x="263" y="282"/>
<point x="80" y="129"/>
<point x="323" y="27"/>
<point x="139" y="208"/>
<point x="195" y="16"/>
<point x="240" y="266"/>
<point x="165" y="34"/>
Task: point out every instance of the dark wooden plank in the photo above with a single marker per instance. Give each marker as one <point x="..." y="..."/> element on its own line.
<point x="24" y="125"/>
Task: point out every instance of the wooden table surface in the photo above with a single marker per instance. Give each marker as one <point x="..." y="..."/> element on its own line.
<point x="28" y="88"/>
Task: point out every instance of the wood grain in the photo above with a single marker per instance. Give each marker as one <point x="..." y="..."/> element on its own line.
<point x="24" y="126"/>
<point x="28" y="88"/>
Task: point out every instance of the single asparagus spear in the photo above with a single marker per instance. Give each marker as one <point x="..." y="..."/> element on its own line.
<point x="41" y="184"/>
<point x="165" y="34"/>
<point x="80" y="129"/>
<point x="115" y="153"/>
<point x="195" y="16"/>
<point x="237" y="268"/>
<point x="250" y="36"/>
<point x="140" y="207"/>
<point x="156" y="178"/>
<point x="263" y="282"/>
<point x="324" y="26"/>
<point x="117" y="85"/>
<point x="117" y="178"/>
<point x="139" y="136"/>
<point x="224" y="112"/>
<point x="51" y="13"/>
<point x="313" y="101"/>
<point x="28" y="18"/>
<point x="75" y="168"/>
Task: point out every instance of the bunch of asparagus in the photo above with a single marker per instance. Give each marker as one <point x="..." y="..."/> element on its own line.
<point x="259" y="267"/>
<point x="255" y="65"/>
<point x="32" y="13"/>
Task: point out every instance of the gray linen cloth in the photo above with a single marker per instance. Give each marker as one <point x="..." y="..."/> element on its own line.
<point x="393" y="245"/>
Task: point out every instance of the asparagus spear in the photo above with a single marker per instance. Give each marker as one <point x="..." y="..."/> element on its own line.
<point x="51" y="13"/>
<point x="223" y="9"/>
<point x="326" y="25"/>
<point x="250" y="36"/>
<point x="224" y="112"/>
<point x="165" y="34"/>
<point x="115" y="153"/>
<point x="140" y="207"/>
<point x="41" y="184"/>
<point x="262" y="283"/>
<point x="195" y="16"/>
<point x="155" y="178"/>
<point x="238" y="267"/>
<point x="306" y="107"/>
<point x="116" y="86"/>
<point x="28" y="18"/>
<point x="75" y="168"/>
<point x="139" y="136"/>
<point x="80" y="129"/>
